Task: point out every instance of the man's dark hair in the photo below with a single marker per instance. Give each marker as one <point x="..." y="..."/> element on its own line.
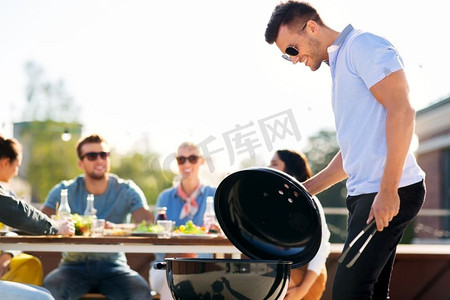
<point x="292" y="13"/>
<point x="91" y="139"/>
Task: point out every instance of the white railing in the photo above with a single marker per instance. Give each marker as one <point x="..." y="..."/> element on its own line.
<point x="427" y="212"/>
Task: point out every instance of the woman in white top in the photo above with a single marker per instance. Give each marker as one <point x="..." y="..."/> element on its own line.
<point x="307" y="282"/>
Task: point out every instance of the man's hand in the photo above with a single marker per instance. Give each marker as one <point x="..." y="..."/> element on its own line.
<point x="384" y="208"/>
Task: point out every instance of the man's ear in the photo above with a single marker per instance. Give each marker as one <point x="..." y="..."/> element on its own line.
<point x="312" y="26"/>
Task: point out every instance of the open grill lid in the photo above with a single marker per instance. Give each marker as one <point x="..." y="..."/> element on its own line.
<point x="268" y="214"/>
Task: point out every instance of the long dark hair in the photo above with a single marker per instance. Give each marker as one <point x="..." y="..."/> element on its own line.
<point x="295" y="164"/>
<point x="9" y="148"/>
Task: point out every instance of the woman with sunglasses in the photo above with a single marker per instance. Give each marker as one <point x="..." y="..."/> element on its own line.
<point x="307" y="282"/>
<point x="17" y="268"/>
<point x="184" y="202"/>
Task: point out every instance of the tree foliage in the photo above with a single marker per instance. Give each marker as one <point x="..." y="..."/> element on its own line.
<point x="49" y="158"/>
<point x="144" y="170"/>
<point x="49" y="111"/>
<point x="47" y="100"/>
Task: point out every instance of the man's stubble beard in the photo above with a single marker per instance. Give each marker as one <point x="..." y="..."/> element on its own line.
<point x="94" y="176"/>
<point x="314" y="45"/>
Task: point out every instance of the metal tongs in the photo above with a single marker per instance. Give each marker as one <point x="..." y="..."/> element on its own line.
<point x="373" y="229"/>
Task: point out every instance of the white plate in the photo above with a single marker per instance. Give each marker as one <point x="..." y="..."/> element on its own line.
<point x="196" y="236"/>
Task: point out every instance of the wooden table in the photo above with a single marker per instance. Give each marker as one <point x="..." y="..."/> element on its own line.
<point x="419" y="269"/>
<point x="129" y="244"/>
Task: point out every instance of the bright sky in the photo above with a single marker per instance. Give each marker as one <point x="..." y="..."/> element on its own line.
<point x="169" y="71"/>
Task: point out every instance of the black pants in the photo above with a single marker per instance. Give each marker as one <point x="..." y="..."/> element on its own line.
<point x="369" y="277"/>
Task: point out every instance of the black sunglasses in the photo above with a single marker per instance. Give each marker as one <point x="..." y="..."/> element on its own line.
<point x="93" y="155"/>
<point x="192" y="159"/>
<point x="292" y="50"/>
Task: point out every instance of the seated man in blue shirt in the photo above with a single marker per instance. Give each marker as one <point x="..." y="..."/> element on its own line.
<point x="115" y="198"/>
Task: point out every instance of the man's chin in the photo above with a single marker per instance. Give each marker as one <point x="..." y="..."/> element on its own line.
<point x="315" y="67"/>
<point x="98" y="176"/>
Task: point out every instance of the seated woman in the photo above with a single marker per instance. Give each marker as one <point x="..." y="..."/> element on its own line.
<point x="307" y="282"/>
<point x="20" y="267"/>
<point x="185" y="202"/>
<point x="21" y="215"/>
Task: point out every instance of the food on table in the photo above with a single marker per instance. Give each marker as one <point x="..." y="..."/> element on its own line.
<point x="148" y="228"/>
<point x="82" y="224"/>
<point x="189" y="228"/>
<point x="118" y="229"/>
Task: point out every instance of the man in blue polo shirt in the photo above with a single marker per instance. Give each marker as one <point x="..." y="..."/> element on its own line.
<point x="374" y="123"/>
<point x="114" y="200"/>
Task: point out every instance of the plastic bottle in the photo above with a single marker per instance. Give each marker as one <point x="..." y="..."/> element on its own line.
<point x="209" y="217"/>
<point x="64" y="208"/>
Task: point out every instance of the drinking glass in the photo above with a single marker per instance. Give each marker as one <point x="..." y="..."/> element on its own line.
<point x="165" y="229"/>
<point x="97" y="227"/>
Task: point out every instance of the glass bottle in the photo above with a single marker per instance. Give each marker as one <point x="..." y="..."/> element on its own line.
<point x="161" y="213"/>
<point x="90" y="210"/>
<point x="209" y="217"/>
<point x="64" y="208"/>
<point x="89" y="216"/>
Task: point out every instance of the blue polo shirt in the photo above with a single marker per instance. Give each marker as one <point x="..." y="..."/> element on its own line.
<point x="121" y="198"/>
<point x="170" y="199"/>
<point x="358" y="60"/>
